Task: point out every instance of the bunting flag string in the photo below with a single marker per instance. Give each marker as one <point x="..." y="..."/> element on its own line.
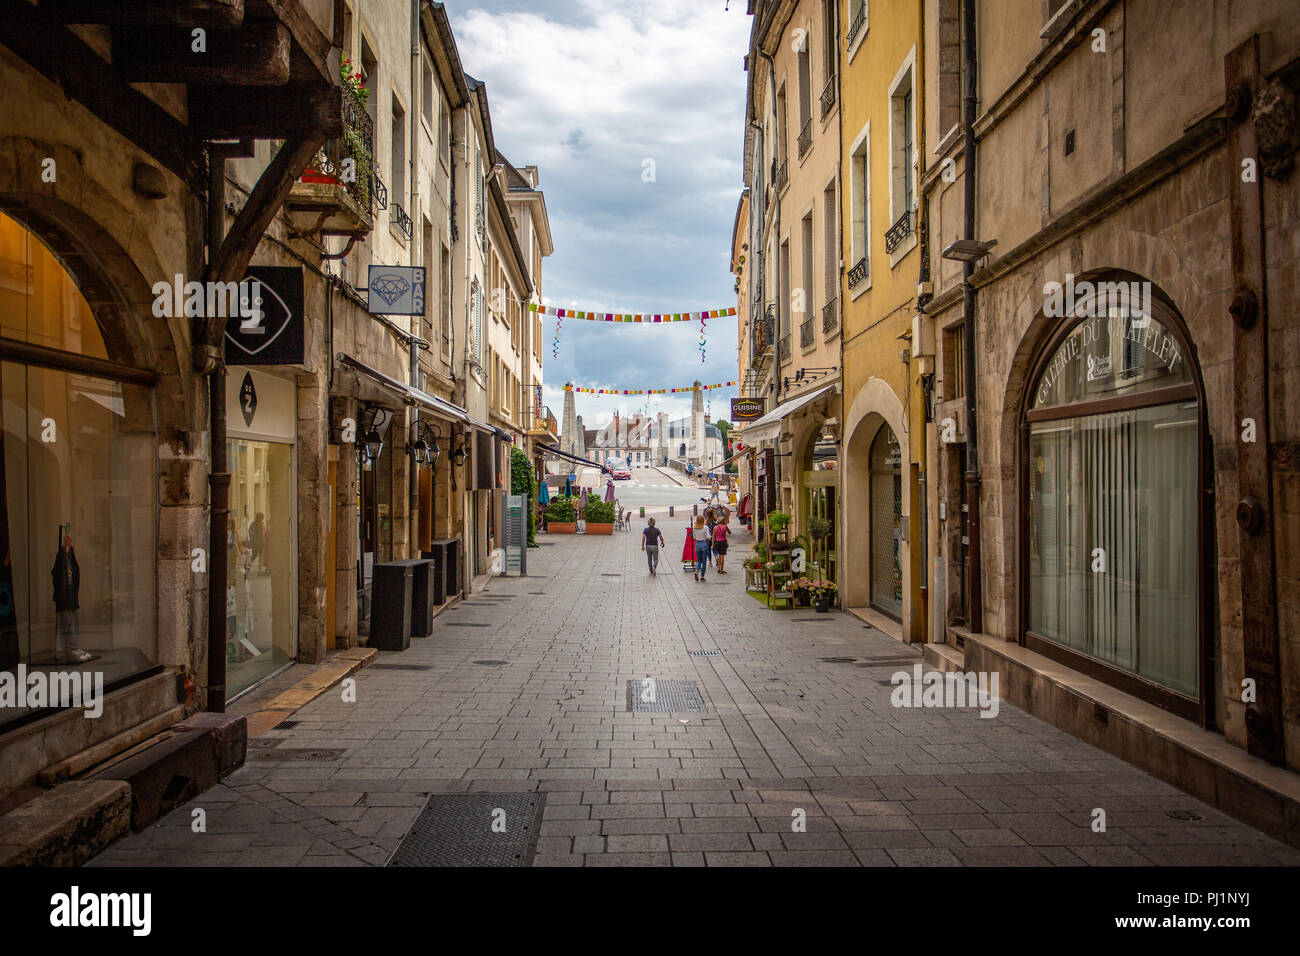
<point x="645" y="391"/>
<point x="646" y="317"/>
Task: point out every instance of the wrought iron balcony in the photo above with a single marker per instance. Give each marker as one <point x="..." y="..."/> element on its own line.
<point x="898" y="231"/>
<point x="858" y="274"/>
<point x="830" y="316"/>
<point x="807" y="333"/>
<point x="335" y="194"/>
<point x="857" y="23"/>
<point x="782" y="176"/>
<point x="760" y="333"/>
<point x="828" y="96"/>
<point x="400" y="219"/>
<point x="783" y="350"/>
<point x="805" y="138"/>
<point x="380" y="191"/>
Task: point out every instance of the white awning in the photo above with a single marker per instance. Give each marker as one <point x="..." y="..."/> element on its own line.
<point x="768" y="427"/>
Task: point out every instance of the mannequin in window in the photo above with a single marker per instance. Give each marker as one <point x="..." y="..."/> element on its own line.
<point x="67" y="585"/>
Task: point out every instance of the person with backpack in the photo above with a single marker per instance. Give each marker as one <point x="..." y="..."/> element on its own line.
<point x="700" y="533"/>
<point x="651" y="538"/>
<point x="721" y="531"/>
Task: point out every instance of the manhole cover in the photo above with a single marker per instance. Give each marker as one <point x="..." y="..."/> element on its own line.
<point x="837" y="660"/>
<point x="400" y="667"/>
<point x="298" y="753"/>
<point x="473" y="829"/>
<point x="492" y="663"/>
<point x="664" y="697"/>
<point x="1187" y="816"/>
<point x="705" y="653"/>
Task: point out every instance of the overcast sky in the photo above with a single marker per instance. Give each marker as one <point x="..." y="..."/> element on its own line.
<point x="588" y="91"/>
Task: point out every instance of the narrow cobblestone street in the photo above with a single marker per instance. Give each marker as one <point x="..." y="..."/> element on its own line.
<point x="798" y="717"/>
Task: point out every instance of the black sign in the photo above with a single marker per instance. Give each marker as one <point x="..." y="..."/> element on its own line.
<point x="747" y="409"/>
<point x="248" y="399"/>
<point x="275" y="332"/>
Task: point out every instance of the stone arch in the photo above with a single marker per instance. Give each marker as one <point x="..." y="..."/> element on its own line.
<point x="114" y="273"/>
<point x="875" y="404"/>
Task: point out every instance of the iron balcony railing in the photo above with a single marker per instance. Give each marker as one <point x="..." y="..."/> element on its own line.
<point x="761" y="332"/>
<point x="858" y="273"/>
<point x="830" y="316"/>
<point x="381" y="191"/>
<point x="807" y="333"/>
<point x="348" y="161"/>
<point x="782" y="176"/>
<point x="828" y="96"/>
<point x="783" y="350"/>
<point x="858" y="22"/>
<point x="400" y="219"/>
<point x="805" y="138"/>
<point x="898" y="231"/>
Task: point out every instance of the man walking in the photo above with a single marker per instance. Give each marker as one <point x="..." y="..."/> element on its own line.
<point x="650" y="539"/>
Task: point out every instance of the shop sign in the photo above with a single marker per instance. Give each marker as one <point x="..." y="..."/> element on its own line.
<point x="1117" y="347"/>
<point x="274" y="332"/>
<point x="747" y="409"/>
<point x="264" y="404"/>
<point x="395" y="290"/>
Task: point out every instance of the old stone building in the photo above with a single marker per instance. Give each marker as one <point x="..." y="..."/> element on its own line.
<point x="1131" y="559"/>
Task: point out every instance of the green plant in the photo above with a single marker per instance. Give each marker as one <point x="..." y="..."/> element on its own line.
<point x="524" y="483"/>
<point x="353" y="82"/>
<point x="819" y="528"/>
<point x="600" y="512"/>
<point x="562" y="511"/>
<point x="777" y="521"/>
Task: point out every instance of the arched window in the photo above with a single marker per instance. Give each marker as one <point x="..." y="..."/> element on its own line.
<point x="1112" y="524"/>
<point x="78" y="516"/>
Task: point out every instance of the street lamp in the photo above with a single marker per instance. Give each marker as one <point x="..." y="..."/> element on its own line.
<point x="968" y="250"/>
<point x="373" y="421"/>
<point x="424" y="442"/>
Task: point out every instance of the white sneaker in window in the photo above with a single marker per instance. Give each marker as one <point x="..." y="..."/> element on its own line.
<point x="76" y="657"/>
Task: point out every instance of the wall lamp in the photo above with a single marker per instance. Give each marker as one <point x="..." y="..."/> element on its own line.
<point x="968" y="250"/>
<point x="424" y="443"/>
<point x="374" y="420"/>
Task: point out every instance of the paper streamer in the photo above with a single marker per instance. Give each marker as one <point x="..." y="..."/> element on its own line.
<point x="704" y="340"/>
<point x="555" y="345"/>
<point x="645" y="317"/>
<point x="645" y="391"/>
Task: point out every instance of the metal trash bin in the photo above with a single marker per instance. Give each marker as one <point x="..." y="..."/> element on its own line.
<point x="438" y="573"/>
<point x="450" y="565"/>
<point x="390" y="616"/>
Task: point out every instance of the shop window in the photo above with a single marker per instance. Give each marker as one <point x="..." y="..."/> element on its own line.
<point x="1113" y="518"/>
<point x="77" y="487"/>
<point x="886" y="523"/>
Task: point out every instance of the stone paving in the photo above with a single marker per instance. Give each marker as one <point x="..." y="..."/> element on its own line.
<point x="785" y="730"/>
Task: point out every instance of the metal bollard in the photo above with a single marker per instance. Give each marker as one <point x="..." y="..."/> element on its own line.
<point x="643" y="511"/>
<point x="670" y="511"/>
<point x="695" y="509"/>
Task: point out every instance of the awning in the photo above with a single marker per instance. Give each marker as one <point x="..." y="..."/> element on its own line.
<point x="552" y="450"/>
<point x="749" y="450"/>
<point x="404" y="392"/>
<point x="768" y="427"/>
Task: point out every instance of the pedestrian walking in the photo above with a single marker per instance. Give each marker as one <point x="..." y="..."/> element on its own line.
<point x="701" y="535"/>
<point x="710" y="519"/>
<point x="650" y="540"/>
<point x="721" y="531"/>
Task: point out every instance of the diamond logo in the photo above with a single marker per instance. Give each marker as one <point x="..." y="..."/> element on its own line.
<point x="248" y="399"/>
<point x="389" y="287"/>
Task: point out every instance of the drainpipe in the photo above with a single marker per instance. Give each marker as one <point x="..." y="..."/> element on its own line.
<point x="417" y="92"/>
<point x="976" y="610"/>
<point x="776" y="274"/>
<point x="219" y="476"/>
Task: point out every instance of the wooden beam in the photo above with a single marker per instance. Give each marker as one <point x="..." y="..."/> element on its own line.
<point x="255" y="55"/>
<point x="264" y="112"/>
<point x="311" y="42"/>
<point x="55" y="51"/>
<point x="210" y="14"/>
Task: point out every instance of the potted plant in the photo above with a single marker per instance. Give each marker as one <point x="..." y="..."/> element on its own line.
<point x="819" y="528"/>
<point x="561" y="516"/>
<point x="777" y="521"/>
<point x="802" y="592"/>
<point x="600" y="517"/>
<point x="823" y="593"/>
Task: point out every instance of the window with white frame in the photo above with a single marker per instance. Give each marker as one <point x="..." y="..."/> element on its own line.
<point x="902" y="170"/>
<point x="860" y="209"/>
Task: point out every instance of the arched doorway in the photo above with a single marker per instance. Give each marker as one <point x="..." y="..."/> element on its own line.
<point x="78" y="506"/>
<point x="886" y="523"/>
<point x="1112" y="542"/>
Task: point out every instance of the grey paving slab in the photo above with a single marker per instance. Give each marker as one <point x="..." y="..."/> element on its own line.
<point x="787" y="739"/>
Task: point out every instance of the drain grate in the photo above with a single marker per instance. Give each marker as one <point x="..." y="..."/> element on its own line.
<point x="607" y="575"/>
<point x="467" y="624"/>
<point x="837" y="660"/>
<point x="890" y="662"/>
<point x="456" y="829"/>
<point x="492" y="663"/>
<point x="714" y="653"/>
<point x="812" y="620"/>
<point x="1186" y="816"/>
<point x="669" y="697"/>
<point x="400" y="667"/>
<point x="298" y="753"/>
<point x="286" y="725"/>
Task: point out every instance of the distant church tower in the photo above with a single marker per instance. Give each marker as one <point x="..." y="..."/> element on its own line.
<point x="695" y="450"/>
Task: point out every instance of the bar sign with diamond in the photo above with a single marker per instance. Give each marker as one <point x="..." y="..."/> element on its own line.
<point x="395" y="290"/>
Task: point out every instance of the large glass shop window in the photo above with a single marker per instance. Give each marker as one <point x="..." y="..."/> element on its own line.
<point x="1113" y="516"/>
<point x="77" y="505"/>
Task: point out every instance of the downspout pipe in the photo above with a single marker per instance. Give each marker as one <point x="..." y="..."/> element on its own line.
<point x="417" y="93"/>
<point x="219" y="476"/>
<point x="975" y="583"/>
<point x="779" y="139"/>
